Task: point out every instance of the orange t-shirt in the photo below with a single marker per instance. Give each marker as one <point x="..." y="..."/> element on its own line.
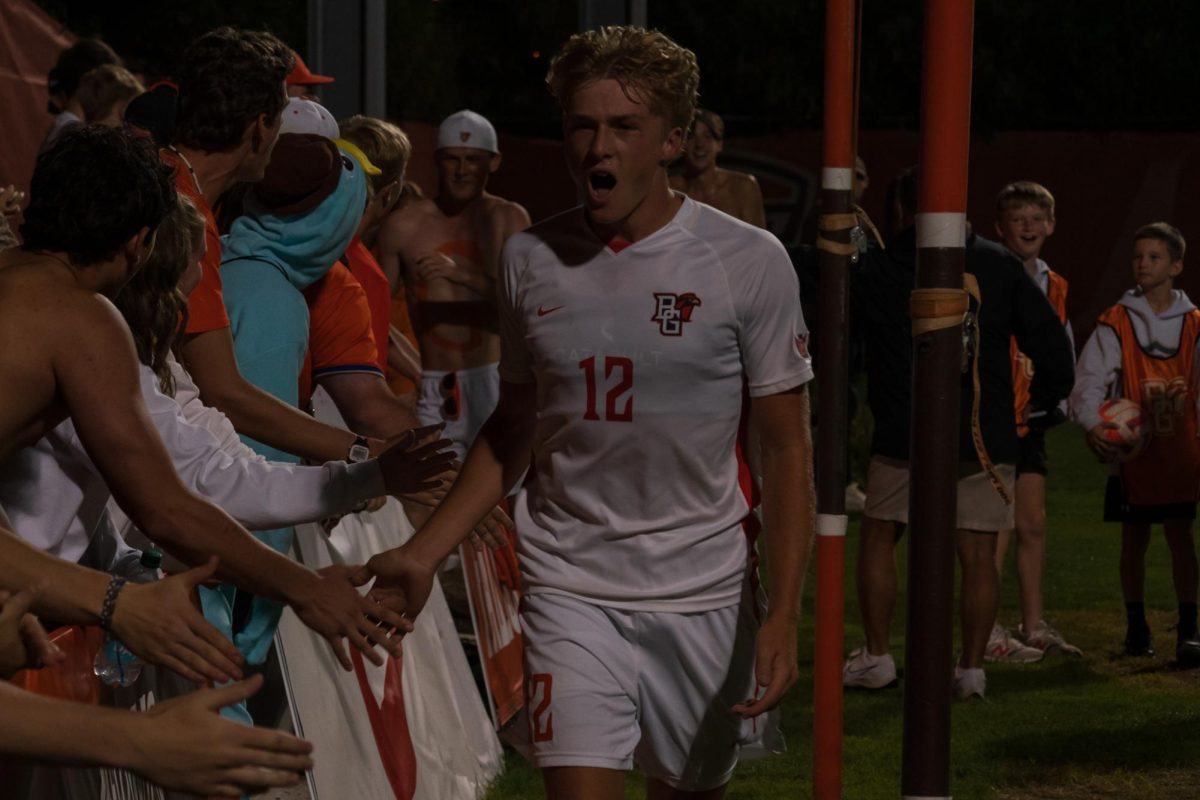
<point x="1056" y="293"/>
<point x="339" y="330"/>
<point x="206" y="305"/>
<point x="369" y="275"/>
<point x="1168" y="470"/>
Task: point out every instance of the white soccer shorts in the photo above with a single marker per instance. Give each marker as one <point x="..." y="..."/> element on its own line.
<point x="607" y="687"/>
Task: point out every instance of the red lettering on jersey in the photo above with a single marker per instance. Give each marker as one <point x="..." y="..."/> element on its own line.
<point x="614" y="409"/>
<point x="541" y="719"/>
<point x="672" y="310"/>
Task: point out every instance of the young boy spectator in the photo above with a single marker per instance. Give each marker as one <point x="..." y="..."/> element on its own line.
<point x="1024" y="220"/>
<point x="105" y="91"/>
<point x="1144" y="349"/>
<point x="63" y="82"/>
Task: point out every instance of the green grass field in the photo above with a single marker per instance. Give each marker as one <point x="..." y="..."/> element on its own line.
<point x="1097" y="727"/>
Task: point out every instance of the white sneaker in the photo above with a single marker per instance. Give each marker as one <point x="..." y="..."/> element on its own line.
<point x="856" y="499"/>
<point x="866" y="671"/>
<point x="1003" y="646"/>
<point x="1047" y="639"/>
<point x="969" y="683"/>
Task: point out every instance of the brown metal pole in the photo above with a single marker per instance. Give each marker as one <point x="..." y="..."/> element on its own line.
<point x="937" y="358"/>
<point x="834" y="243"/>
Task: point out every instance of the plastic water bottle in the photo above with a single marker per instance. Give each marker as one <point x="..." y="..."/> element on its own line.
<point x="115" y="665"/>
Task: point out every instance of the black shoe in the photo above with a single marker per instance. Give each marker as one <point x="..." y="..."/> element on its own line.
<point x="1137" y="641"/>
<point x="1187" y="653"/>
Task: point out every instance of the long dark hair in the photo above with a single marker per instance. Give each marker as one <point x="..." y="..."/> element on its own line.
<point x="153" y="306"/>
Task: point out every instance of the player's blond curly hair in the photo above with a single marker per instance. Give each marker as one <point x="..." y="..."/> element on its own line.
<point x="663" y="74"/>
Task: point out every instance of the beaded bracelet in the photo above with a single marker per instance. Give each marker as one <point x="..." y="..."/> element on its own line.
<point x="110" y="601"/>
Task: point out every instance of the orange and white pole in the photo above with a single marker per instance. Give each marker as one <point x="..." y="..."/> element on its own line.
<point x="835" y="251"/>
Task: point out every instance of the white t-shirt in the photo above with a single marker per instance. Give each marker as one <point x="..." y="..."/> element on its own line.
<point x="642" y="358"/>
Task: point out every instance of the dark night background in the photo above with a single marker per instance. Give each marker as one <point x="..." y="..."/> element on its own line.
<point x="1039" y="64"/>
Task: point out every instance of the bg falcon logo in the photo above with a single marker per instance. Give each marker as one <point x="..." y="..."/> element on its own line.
<point x="672" y="310"/>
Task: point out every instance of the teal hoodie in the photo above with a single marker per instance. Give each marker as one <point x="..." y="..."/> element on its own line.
<point x="266" y="263"/>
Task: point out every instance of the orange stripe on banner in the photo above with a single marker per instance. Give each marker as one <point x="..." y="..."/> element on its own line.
<point x="493" y="586"/>
<point x="389" y="723"/>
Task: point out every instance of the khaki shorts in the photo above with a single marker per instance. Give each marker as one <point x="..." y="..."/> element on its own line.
<point x="980" y="507"/>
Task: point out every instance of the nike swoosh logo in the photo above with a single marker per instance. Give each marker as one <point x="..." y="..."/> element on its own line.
<point x="541" y="312"/>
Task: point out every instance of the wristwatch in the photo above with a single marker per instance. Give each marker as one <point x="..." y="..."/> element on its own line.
<point x="359" y="451"/>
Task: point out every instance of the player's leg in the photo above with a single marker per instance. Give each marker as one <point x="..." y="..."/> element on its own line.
<point x="876" y="577"/>
<point x="694" y="668"/>
<point x="1182" y="546"/>
<point x="980" y="592"/>
<point x="1030" y="514"/>
<point x="1184" y="570"/>
<point x="1004" y="540"/>
<point x="978" y="599"/>
<point x="1135" y="539"/>
<point x="1030" y="523"/>
<point x="583" y="783"/>
<point x="883" y="521"/>
<point x="581" y="688"/>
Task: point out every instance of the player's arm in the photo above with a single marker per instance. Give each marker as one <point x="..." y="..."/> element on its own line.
<point x="1095" y="372"/>
<point x="494" y="464"/>
<point x="788" y="504"/>
<point x="99" y="383"/>
<point x="367" y="404"/>
<point x="210" y="359"/>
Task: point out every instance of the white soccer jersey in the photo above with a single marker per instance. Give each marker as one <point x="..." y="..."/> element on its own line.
<point x="641" y="358"/>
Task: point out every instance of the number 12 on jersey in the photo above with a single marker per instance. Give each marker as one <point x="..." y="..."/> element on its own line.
<point x="618" y="379"/>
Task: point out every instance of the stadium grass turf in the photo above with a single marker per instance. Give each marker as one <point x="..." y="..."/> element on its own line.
<point x="1101" y="726"/>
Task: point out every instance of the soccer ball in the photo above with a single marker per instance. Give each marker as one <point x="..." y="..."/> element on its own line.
<point x="1129" y="437"/>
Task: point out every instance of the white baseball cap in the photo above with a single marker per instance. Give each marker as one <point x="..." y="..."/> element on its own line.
<point x="305" y="116"/>
<point x="467" y="129"/>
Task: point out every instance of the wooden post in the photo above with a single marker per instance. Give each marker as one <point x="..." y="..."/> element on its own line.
<point x="937" y="308"/>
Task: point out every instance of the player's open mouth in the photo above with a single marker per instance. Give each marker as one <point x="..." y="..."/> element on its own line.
<point x="600" y="183"/>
